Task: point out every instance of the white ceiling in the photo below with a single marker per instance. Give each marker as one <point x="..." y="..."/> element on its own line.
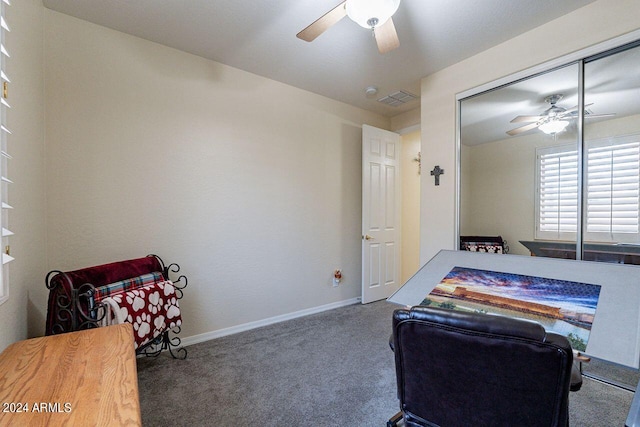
<point x="259" y="36"/>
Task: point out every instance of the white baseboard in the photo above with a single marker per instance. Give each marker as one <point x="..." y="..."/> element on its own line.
<point x="195" y="339"/>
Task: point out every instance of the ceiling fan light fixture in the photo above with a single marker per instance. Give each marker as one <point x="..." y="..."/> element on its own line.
<point x="371" y="13"/>
<point x="553" y="126"/>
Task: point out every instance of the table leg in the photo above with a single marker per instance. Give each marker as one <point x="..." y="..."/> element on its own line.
<point x="633" y="417"/>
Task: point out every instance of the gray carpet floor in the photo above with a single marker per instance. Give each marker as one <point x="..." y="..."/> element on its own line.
<point x="329" y="369"/>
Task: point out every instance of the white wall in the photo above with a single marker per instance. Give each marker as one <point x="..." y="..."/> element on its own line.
<point x="26" y="169"/>
<point x="594" y="23"/>
<point x="252" y="186"/>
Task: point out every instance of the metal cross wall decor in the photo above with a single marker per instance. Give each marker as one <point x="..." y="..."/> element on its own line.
<point x="419" y="160"/>
<point x="436" y="172"/>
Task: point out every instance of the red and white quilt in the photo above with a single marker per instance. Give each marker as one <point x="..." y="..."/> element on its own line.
<point x="150" y="309"/>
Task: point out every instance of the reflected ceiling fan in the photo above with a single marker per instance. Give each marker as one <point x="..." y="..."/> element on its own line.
<point x="371" y="14"/>
<point x="554" y="119"/>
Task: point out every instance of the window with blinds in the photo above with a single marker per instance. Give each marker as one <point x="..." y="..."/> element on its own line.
<point x="613" y="190"/>
<point x="612" y="204"/>
<point x="557" y="210"/>
<point x="4" y="154"/>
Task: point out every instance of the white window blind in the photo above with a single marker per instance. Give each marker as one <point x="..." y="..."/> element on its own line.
<point x="4" y="155"/>
<point x="612" y="206"/>
<point x="613" y="184"/>
<point x="557" y="209"/>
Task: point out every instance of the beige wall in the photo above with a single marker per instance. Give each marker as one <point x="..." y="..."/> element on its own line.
<point x="252" y="186"/>
<point x="409" y="120"/>
<point x="26" y="169"/>
<point x="594" y="23"/>
<point x="410" y="205"/>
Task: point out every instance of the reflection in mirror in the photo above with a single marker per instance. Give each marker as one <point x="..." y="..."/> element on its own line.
<point x="519" y="165"/>
<point x="612" y="149"/>
<point x="509" y="167"/>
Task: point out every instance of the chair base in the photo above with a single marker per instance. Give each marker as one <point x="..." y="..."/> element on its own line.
<point x="393" y="421"/>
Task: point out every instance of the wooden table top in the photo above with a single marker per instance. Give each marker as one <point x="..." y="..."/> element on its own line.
<point x="85" y="378"/>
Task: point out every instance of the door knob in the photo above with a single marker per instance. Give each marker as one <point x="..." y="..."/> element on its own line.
<point x="367" y="237"/>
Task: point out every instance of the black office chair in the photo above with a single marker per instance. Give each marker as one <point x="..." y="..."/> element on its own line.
<point x="460" y="369"/>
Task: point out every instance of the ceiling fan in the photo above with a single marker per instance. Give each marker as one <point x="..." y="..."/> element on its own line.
<point x="554" y="119"/>
<point x="371" y="14"/>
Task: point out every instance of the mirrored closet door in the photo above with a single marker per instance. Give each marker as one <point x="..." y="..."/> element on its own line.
<point x="550" y="170"/>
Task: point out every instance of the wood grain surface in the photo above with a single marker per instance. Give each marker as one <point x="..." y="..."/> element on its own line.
<point x="85" y="378"/>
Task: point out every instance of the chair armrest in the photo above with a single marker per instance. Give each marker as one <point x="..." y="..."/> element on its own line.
<point x="580" y="357"/>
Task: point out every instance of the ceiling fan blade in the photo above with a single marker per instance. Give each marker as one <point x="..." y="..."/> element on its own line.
<point x="574" y="109"/>
<point x="386" y="37"/>
<point x="323" y="23"/>
<point x="593" y="116"/>
<point x="522" y="129"/>
<point x="526" y="119"/>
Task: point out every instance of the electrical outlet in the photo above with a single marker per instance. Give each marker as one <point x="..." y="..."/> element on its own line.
<point x="337" y="276"/>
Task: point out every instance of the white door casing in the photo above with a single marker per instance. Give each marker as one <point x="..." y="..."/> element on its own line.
<point x="381" y="216"/>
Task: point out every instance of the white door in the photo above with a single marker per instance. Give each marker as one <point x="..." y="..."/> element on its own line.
<point x="380" y="213"/>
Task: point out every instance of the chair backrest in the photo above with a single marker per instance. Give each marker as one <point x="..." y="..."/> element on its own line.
<point x="456" y="369"/>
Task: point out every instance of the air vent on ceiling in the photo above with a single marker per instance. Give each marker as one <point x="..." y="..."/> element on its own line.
<point x="398" y="98"/>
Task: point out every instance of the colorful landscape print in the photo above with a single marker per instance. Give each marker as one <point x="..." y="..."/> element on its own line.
<point x="564" y="307"/>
